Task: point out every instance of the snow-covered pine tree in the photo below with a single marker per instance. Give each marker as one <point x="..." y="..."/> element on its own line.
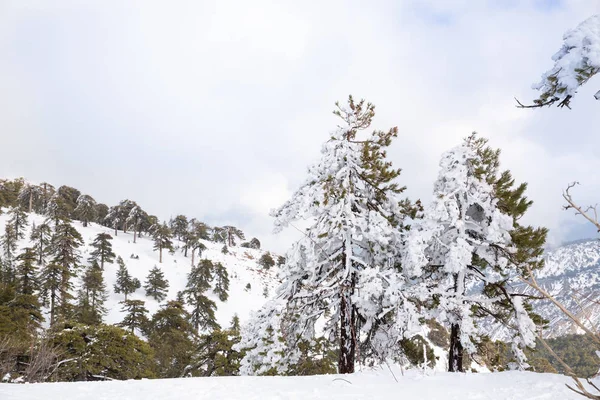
<point x="134" y="220"/>
<point x="85" y="211"/>
<point x="179" y="226"/>
<point x="352" y="197"/>
<point x="113" y="218"/>
<point x="30" y="198"/>
<point x="200" y="277"/>
<point x="221" y="278"/>
<point x="461" y="254"/>
<point x="574" y="65"/>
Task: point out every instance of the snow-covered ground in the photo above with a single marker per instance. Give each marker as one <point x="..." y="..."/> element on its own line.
<point x="241" y="264"/>
<point x="377" y="384"/>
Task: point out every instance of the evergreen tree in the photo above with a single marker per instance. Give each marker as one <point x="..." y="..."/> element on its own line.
<point x="179" y="226"/>
<point x="235" y="324"/>
<point x="203" y="309"/>
<point x="464" y="253"/>
<point x="136" y="315"/>
<point x="162" y="239"/>
<point x="125" y="284"/>
<point x="134" y="220"/>
<point x="102" y="252"/>
<point x="69" y="196"/>
<point x="18" y="220"/>
<point x="92" y="296"/>
<point x="125" y="207"/>
<point x="101" y="213"/>
<point x="64" y="247"/>
<point x="26" y="273"/>
<point x="57" y="209"/>
<point x="51" y="278"/>
<point x="172" y="338"/>
<point x="221" y="277"/>
<point x="113" y="218"/>
<point x="156" y="285"/>
<point x="198" y="246"/>
<point x="41" y="236"/>
<point x="352" y="196"/>
<point x="85" y="211"/>
<point x="216" y="355"/>
<point x="30" y="198"/>
<point x="574" y="65"/>
<point x="224" y="249"/>
<point x="254" y="244"/>
<point x="232" y="234"/>
<point x="47" y="191"/>
<point x="266" y="261"/>
<point x="9" y="247"/>
<point x="219" y="235"/>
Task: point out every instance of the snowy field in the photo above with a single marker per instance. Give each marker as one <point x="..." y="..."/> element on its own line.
<point x="378" y="384"/>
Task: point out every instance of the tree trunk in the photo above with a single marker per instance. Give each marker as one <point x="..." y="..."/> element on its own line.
<point x="134" y="234"/>
<point x="193" y="251"/>
<point x="30" y="200"/>
<point x="455" y="356"/>
<point x="52" y="301"/>
<point x="115" y="229"/>
<point x="347" y="334"/>
<point x="160" y="254"/>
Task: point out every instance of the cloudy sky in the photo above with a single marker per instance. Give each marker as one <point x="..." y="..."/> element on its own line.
<point x="215" y="109"/>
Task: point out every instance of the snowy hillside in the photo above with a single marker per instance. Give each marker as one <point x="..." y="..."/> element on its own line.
<point x="572" y="274"/>
<point x="378" y="384"/>
<point x="241" y="264"/>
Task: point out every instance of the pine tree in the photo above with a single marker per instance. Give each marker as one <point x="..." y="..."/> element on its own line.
<point x="125" y="284"/>
<point x="231" y="234"/>
<point x="18" y="220"/>
<point x="102" y="252"/>
<point x="101" y="213"/>
<point x="41" y="236"/>
<point x="266" y="261"/>
<point x="464" y="241"/>
<point x="162" y="239"/>
<point x="51" y="278"/>
<point x="92" y="296"/>
<point x="9" y="248"/>
<point x="113" y="218"/>
<point x="172" y="337"/>
<point x="221" y="278"/>
<point x="136" y="315"/>
<point x="56" y="209"/>
<point x="64" y="247"/>
<point x="134" y="219"/>
<point x="198" y="246"/>
<point x="124" y="209"/>
<point x="30" y="198"/>
<point x="353" y="198"/>
<point x="203" y="309"/>
<point x="69" y="195"/>
<point x="179" y="226"/>
<point x="156" y="285"/>
<point x="235" y="324"/>
<point x="85" y="211"/>
<point x="26" y="272"/>
<point x="574" y="65"/>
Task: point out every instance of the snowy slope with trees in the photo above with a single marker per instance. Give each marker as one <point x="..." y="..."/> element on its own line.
<point x="241" y="264"/>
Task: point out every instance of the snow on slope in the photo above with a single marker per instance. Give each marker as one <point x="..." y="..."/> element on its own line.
<point x="241" y="264"/>
<point x="375" y="384"/>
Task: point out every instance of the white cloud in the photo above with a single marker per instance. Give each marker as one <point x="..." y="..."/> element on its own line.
<point x="215" y="109"/>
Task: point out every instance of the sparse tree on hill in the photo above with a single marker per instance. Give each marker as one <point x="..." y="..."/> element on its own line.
<point x="221" y="278"/>
<point x="266" y="261"/>
<point x="179" y="226"/>
<point x="126" y="283"/>
<point x="136" y="316"/>
<point x="18" y="220"/>
<point x="134" y="220"/>
<point x="92" y="296"/>
<point x="156" y="285"/>
<point x="26" y="272"/>
<point x="102" y="252"/>
<point x="162" y="239"/>
<point x="232" y="234"/>
<point x="41" y="236"/>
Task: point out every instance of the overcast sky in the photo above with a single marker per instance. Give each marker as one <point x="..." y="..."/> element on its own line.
<point x="215" y="109"/>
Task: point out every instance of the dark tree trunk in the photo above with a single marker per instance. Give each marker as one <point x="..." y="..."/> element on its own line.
<point x="134" y="234"/>
<point x="347" y="331"/>
<point x="30" y="200"/>
<point x="455" y="356"/>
